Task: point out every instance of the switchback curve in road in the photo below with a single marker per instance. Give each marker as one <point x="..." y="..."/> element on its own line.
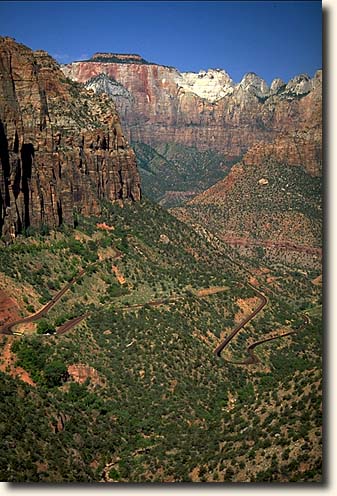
<point x="252" y="358"/>
<point x="7" y="328"/>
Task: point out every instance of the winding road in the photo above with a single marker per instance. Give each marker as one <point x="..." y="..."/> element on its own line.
<point x="229" y="338"/>
<point x="252" y="358"/>
<point x="7" y="328"/>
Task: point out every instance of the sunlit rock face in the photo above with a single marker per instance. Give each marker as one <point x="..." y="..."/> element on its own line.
<point x="62" y="147"/>
<point x="211" y="85"/>
<point x="208" y="110"/>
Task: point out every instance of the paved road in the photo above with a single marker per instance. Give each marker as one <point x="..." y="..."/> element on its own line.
<point x="71" y="323"/>
<point x="263" y="302"/>
<point x="7" y="328"/>
<point x="252" y="358"/>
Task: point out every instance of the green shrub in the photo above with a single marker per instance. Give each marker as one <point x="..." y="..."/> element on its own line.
<point x="44" y="326"/>
<point x="55" y="373"/>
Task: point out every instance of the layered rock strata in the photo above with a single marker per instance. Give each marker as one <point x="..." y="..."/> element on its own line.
<point x="62" y="148"/>
<point x="209" y="110"/>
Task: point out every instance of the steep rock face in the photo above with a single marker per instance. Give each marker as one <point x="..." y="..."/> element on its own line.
<point x="62" y="147"/>
<point x="120" y="95"/>
<point x="211" y="85"/>
<point x="209" y="111"/>
<point x="292" y="149"/>
<point x="270" y="202"/>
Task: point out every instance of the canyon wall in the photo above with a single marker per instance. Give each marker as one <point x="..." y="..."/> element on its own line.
<point x="62" y="148"/>
<point x="208" y="110"/>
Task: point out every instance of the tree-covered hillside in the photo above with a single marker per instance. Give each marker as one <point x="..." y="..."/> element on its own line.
<point x="133" y="392"/>
<point x="173" y="173"/>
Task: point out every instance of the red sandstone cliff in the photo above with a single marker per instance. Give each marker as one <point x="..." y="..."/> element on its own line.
<point x="208" y="110"/>
<point x="62" y="148"/>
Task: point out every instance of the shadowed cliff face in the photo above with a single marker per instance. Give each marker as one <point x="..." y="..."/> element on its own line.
<point x="62" y="148"/>
<point x="209" y="111"/>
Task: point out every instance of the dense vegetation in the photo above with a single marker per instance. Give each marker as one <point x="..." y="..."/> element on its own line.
<point x="155" y="404"/>
<point x="118" y="60"/>
<point x="173" y="173"/>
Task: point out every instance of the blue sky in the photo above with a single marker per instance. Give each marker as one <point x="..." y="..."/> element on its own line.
<point x="271" y="38"/>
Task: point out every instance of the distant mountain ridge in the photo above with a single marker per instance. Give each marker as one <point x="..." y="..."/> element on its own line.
<point x="119" y="58"/>
<point x="208" y="110"/>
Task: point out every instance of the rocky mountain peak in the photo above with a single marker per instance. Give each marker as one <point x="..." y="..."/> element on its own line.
<point x="208" y="110"/>
<point x="121" y="58"/>
<point x="254" y="84"/>
<point x="211" y="85"/>
<point x="318" y="76"/>
<point x="107" y="55"/>
<point x="276" y="85"/>
<point x="299" y="85"/>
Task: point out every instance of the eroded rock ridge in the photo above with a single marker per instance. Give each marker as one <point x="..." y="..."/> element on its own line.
<point x="62" y="148"/>
<point x="209" y="110"/>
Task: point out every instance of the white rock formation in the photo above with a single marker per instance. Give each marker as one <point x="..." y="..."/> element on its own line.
<point x="211" y="85"/>
<point x="254" y="84"/>
<point x="276" y="85"/>
<point x="299" y="85"/>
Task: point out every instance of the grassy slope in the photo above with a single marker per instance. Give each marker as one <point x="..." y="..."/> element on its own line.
<point x="164" y="409"/>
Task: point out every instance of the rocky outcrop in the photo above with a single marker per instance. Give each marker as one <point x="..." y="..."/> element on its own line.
<point x="62" y="148"/>
<point x="81" y="373"/>
<point x="292" y="149"/>
<point x="211" y="85"/>
<point x="127" y="58"/>
<point x="209" y="110"/>
<point x="120" y="95"/>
